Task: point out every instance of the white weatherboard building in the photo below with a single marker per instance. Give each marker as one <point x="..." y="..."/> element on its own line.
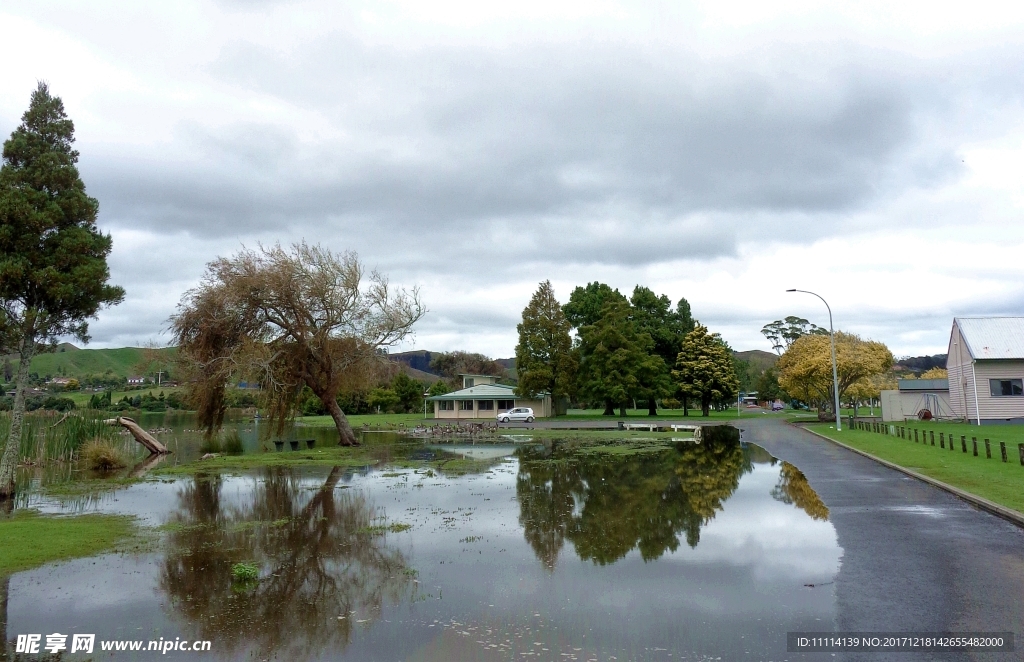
<point x="482" y="397"/>
<point x="986" y="369"/>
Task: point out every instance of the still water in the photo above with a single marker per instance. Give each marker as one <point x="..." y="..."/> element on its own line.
<point x="697" y="552"/>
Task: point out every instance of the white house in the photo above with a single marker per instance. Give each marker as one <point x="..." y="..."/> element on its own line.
<point x="986" y="369"/>
<point x="482" y="397"/>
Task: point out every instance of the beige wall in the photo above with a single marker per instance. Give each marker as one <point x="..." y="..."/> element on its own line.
<point x="958" y="365"/>
<point x="991" y="407"/>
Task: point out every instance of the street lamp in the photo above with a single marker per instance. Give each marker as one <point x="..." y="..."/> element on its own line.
<point x="832" y="341"/>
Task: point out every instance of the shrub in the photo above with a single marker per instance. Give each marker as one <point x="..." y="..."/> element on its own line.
<point x="102" y="455"/>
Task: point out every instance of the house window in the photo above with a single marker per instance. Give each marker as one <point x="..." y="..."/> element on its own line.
<point x="466" y="405"/>
<point x="505" y="405"/>
<point x="467" y="382"/>
<point x="1001" y="387"/>
<point x="485" y="405"/>
<point x="445" y="405"/>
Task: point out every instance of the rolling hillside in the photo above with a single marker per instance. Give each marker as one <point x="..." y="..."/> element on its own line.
<point x="70" y="361"/>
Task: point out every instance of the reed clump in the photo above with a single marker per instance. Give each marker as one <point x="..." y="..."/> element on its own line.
<point x="233" y="443"/>
<point x="102" y="455"/>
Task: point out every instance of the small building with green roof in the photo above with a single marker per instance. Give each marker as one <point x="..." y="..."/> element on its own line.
<point x="482" y="397"/>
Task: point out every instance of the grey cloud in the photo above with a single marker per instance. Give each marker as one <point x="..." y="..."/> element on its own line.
<point x="452" y="139"/>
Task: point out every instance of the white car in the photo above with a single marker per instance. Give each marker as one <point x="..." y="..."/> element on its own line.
<point x="517" y="414"/>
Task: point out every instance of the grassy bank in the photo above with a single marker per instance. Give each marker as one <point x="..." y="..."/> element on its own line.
<point x="30" y="539"/>
<point x="993" y="479"/>
<point x="632" y="415"/>
<point x="1011" y="434"/>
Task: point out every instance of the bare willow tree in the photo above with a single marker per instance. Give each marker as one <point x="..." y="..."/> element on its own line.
<point x="288" y="319"/>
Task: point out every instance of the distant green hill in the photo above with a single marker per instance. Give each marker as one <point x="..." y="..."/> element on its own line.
<point x="69" y="361"/>
<point x="759" y="359"/>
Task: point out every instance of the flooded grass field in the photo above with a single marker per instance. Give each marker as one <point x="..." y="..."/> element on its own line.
<point x="527" y="550"/>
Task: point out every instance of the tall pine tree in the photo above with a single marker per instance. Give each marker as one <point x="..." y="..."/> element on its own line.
<point x="544" y="356"/>
<point x="53" y="260"/>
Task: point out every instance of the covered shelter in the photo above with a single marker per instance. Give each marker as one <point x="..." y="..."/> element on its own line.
<point x="986" y="369"/>
<point x="914" y="396"/>
<point x="482" y="397"/>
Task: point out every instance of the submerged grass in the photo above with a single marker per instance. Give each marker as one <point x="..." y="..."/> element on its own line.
<point x="31" y="539"/>
<point x="993" y="479"/>
<point x="381" y="529"/>
<point x="89" y="487"/>
<point x="359" y="456"/>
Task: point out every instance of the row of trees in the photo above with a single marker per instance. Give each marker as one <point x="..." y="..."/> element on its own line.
<point x="602" y="347"/>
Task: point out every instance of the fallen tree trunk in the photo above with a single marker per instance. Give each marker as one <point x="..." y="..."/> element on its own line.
<point x="141" y="436"/>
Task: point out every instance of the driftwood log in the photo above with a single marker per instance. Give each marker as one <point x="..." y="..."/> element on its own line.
<point x="141" y="436"/>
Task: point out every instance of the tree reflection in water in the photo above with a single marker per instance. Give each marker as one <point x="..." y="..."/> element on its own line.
<point x="607" y="505"/>
<point x="318" y="555"/>
<point x="793" y="488"/>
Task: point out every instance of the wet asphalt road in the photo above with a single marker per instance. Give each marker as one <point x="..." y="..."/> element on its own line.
<point x="915" y="558"/>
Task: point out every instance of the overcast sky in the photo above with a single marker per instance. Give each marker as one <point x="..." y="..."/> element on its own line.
<point x="720" y="151"/>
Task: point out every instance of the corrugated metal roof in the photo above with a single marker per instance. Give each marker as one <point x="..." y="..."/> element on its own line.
<point x="993" y="337"/>
<point x="923" y="384"/>
<point x="482" y="392"/>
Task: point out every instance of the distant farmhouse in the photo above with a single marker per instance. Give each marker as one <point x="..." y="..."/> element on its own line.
<point x="986" y="369"/>
<point x="482" y="397"/>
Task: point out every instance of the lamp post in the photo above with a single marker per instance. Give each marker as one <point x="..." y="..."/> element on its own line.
<point x="832" y="342"/>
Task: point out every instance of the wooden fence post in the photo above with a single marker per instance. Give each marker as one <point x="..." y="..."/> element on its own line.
<point x="915" y="435"/>
<point x="942" y="440"/>
<point x="988" y="450"/>
<point x="1020" y="450"/>
<point x="1002" y="450"/>
<point x="974" y="445"/>
<point x="963" y="442"/>
<point x="931" y="433"/>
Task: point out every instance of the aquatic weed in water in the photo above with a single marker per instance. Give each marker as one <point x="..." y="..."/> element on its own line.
<point x="245" y="572"/>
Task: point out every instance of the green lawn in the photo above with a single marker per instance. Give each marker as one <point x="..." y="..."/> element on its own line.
<point x="993" y="479"/>
<point x="1011" y="434"/>
<point x="30" y="539"/>
<point x="598" y="415"/>
<point x="373" y="420"/>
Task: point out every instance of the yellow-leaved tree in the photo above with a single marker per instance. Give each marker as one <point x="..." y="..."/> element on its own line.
<point x="805" y="369"/>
